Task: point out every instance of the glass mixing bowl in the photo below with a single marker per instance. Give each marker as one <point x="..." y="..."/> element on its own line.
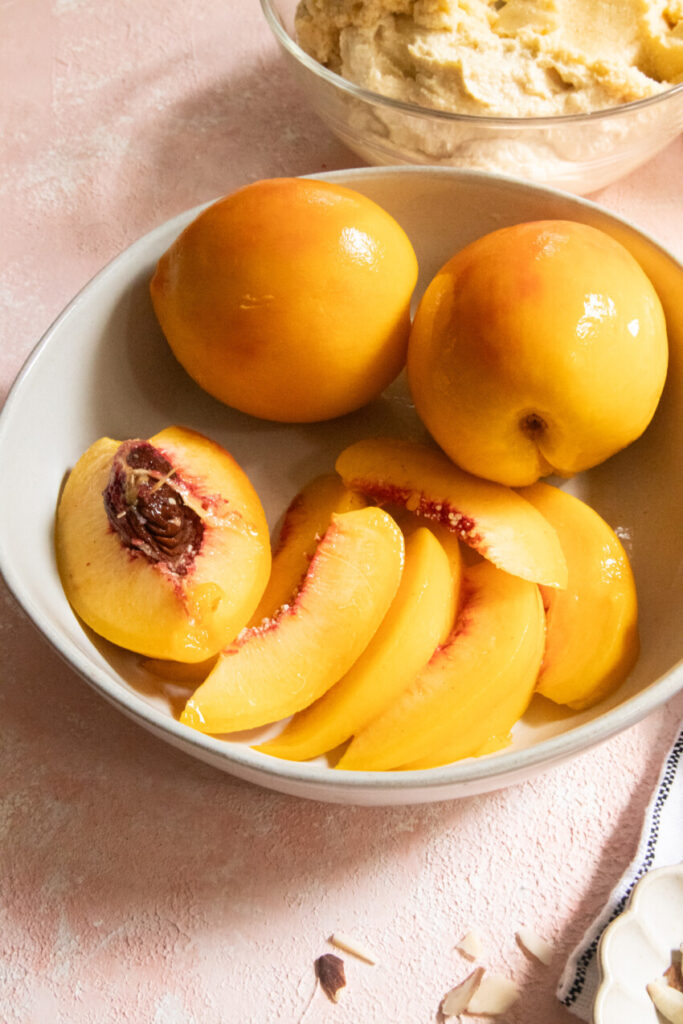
<point x="579" y="152"/>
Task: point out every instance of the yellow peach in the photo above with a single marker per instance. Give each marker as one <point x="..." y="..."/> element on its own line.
<point x="540" y="348"/>
<point x="162" y="545"/>
<point x="419" y="619"/>
<point x="304" y="523"/>
<point x="494" y="651"/>
<point x="491" y="518"/>
<point x="289" y="299"/>
<point x="277" y="669"/>
<point x="593" y="624"/>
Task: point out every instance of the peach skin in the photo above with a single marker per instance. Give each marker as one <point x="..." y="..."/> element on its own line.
<point x="419" y="619"/>
<point x="304" y="523"/>
<point x="494" y="651"/>
<point x="274" y="670"/>
<point x="539" y="348"/>
<point x="162" y="545"/>
<point x="491" y="518"/>
<point x="289" y="299"/>
<point x="592" y="625"/>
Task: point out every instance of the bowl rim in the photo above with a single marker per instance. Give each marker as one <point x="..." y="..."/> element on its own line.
<point x="320" y="782"/>
<point x="447" y="116"/>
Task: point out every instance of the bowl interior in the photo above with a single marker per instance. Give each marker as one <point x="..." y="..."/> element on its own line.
<point x="105" y="369"/>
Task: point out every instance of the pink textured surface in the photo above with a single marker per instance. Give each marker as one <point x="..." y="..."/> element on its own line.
<point x="136" y="884"/>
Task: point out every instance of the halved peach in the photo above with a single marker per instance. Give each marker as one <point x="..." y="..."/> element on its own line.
<point x="304" y="523"/>
<point x="490" y="517"/>
<point x="281" y="667"/>
<point x="592" y="625"/>
<point x="162" y="545"/>
<point x="494" y="651"/>
<point x="420" y="617"/>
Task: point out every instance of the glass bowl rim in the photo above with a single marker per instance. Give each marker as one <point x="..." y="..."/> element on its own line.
<point x="446" y="116"/>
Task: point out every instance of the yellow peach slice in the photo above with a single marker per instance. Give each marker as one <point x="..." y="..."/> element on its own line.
<point x="419" y="619"/>
<point x="492" y="731"/>
<point x="447" y="539"/>
<point x="495" y="649"/>
<point x="162" y="545"/>
<point x="277" y="669"/>
<point x="304" y="523"/>
<point x="490" y="517"/>
<point x="593" y="624"/>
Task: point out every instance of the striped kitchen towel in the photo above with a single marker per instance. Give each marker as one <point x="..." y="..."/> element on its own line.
<point x="661" y="844"/>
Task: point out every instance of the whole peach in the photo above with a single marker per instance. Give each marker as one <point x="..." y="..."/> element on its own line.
<point x="540" y="348"/>
<point x="289" y="299"/>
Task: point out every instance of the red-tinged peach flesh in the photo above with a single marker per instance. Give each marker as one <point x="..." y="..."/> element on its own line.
<point x="162" y="544"/>
<point x="305" y="521"/>
<point x="494" y="651"/>
<point x="276" y="669"/>
<point x="419" y="619"/>
<point x="489" y="517"/>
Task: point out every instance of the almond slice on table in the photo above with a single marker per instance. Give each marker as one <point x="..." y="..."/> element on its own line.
<point x="455" y="1002"/>
<point x="350" y="945"/>
<point x="535" y="945"/>
<point x="495" y="995"/>
<point x="471" y="945"/>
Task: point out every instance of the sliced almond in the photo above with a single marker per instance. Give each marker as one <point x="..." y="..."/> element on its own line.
<point x="674" y="976"/>
<point x="471" y="946"/>
<point x="354" y="948"/>
<point x="534" y="944"/>
<point x="495" y="995"/>
<point x="455" y="1001"/>
<point x="329" y="970"/>
<point x="668" y="1000"/>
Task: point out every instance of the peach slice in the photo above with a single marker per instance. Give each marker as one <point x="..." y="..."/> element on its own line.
<point x="497" y="723"/>
<point x="494" y="650"/>
<point x="162" y="545"/>
<point x="420" y="617"/>
<point x="592" y="625"/>
<point x="305" y="521"/>
<point x="277" y="669"/>
<point x="490" y="517"/>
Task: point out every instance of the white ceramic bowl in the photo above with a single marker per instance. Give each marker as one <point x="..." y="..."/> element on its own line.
<point x="576" y="152"/>
<point x="637" y="948"/>
<point x="104" y="368"/>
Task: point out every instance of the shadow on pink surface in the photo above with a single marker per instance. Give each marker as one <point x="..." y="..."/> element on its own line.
<point x="126" y="864"/>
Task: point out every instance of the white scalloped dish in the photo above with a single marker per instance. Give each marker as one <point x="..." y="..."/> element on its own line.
<point x="637" y="948"/>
